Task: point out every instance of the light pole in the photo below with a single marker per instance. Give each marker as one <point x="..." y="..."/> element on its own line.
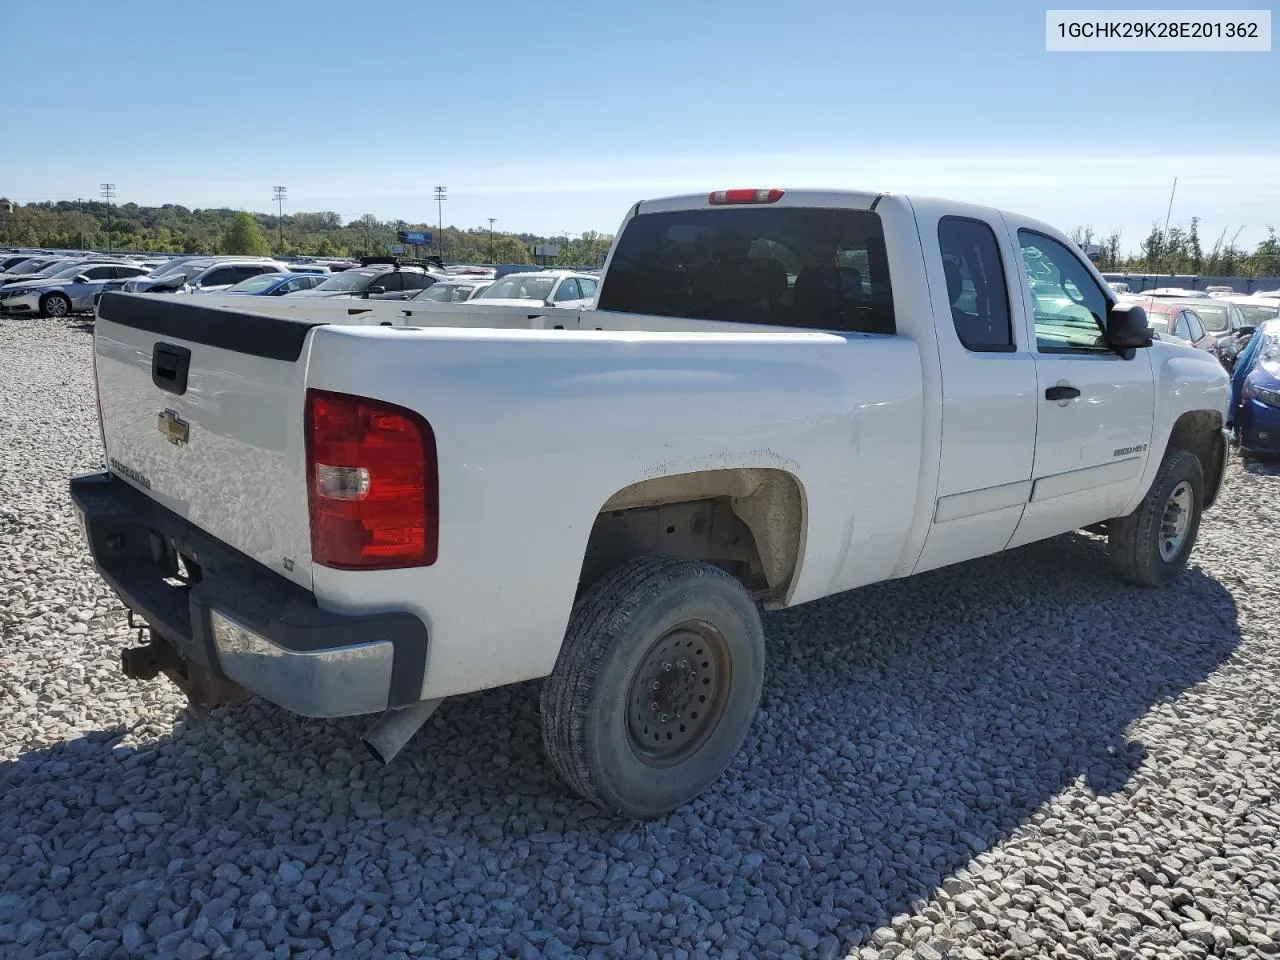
<point x="108" y="192"/>
<point x="280" y="195"/>
<point x="441" y="197"/>
<point x="492" y="221"/>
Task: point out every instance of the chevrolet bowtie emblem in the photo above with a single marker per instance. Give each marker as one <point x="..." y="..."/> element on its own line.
<point x="173" y="427"/>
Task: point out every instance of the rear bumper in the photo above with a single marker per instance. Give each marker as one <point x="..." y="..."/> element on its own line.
<point x="242" y="621"/>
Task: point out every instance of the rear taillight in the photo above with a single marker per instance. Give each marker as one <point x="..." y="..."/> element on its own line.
<point x="745" y="196"/>
<point x="371" y="484"/>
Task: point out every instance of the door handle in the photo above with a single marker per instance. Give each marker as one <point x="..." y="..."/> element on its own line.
<point x="1061" y="393"/>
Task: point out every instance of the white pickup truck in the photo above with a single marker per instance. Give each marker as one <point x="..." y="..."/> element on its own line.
<point x="778" y="395"/>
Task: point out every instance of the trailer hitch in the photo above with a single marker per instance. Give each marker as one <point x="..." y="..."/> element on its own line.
<point x="149" y="661"/>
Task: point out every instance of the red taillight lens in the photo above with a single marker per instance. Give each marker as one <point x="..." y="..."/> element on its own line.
<point x="745" y="196"/>
<point x="371" y="484"/>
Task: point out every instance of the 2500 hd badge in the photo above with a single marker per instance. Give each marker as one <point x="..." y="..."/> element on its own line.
<point x="132" y="474"/>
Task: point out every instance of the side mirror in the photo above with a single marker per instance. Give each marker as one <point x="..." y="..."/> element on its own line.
<point x="79" y="278"/>
<point x="372" y="290"/>
<point x="1127" y="327"/>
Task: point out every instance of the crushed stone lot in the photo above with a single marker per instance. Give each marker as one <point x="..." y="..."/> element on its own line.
<point x="1016" y="757"/>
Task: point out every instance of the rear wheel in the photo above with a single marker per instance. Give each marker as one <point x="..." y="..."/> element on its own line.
<point x="1150" y="547"/>
<point x="56" y="305"/>
<point x="656" y="685"/>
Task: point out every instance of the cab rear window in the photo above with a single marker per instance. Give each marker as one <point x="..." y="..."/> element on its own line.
<point x="808" y="267"/>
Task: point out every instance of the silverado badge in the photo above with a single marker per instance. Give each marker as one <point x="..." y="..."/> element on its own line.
<point x="173" y="427"/>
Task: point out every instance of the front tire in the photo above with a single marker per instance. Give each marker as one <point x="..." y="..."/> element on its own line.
<point x="56" y="305"/>
<point x="656" y="685"/>
<point x="1150" y="547"/>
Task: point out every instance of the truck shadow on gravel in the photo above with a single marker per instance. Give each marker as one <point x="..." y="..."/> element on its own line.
<point x="904" y="728"/>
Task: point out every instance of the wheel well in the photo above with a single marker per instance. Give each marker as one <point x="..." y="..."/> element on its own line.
<point x="747" y="521"/>
<point x="1200" y="432"/>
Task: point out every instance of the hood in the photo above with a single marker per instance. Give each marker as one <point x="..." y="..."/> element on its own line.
<point x="509" y="302"/>
<point x="16" y="282"/>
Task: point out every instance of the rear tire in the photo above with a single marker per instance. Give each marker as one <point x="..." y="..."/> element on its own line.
<point x="56" y="305"/>
<point x="1150" y="546"/>
<point x="656" y="685"/>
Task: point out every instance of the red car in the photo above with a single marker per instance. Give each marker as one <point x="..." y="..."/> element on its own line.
<point x="1178" y="318"/>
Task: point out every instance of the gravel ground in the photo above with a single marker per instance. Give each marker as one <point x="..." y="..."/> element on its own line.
<point x="1017" y="757"/>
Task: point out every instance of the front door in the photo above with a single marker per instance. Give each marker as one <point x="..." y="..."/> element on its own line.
<point x="1096" y="407"/>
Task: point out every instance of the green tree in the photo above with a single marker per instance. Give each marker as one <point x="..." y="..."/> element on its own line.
<point x="244" y="236"/>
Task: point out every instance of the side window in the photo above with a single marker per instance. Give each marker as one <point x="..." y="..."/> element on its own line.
<point x="216" y="278"/>
<point x="100" y="273"/>
<point x="568" y="290"/>
<point x="1069" y="307"/>
<point x="390" y="281"/>
<point x="976" y="285"/>
<point x="588" y="287"/>
<point x="244" y="273"/>
<point x="416" y="281"/>
<point x="125" y="273"/>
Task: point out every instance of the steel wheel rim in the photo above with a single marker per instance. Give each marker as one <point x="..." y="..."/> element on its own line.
<point x="678" y="694"/>
<point x="56" y="307"/>
<point x="1175" y="521"/>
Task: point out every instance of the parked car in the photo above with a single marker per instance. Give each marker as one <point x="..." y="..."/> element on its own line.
<point x="36" y="267"/>
<point x="1255" y="392"/>
<point x="198" y="272"/>
<point x="609" y="505"/>
<point x="70" y="290"/>
<point x="218" y="276"/>
<point x="272" y="284"/>
<point x="376" y="281"/>
<point x="549" y="288"/>
<point x="1219" y="290"/>
<point x="1220" y="317"/>
<point x="1254" y="312"/>
<point x="454" y="290"/>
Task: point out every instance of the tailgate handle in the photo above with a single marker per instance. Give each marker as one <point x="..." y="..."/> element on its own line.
<point x="169" y="367"/>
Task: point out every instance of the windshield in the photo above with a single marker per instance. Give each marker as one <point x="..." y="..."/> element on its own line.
<point x="256" y="284"/>
<point x="1158" y="322"/>
<point x="1255" y="315"/>
<point x="1215" y="318"/>
<point x="446" y="292"/>
<point x="29" y="266"/>
<point x="55" y="269"/>
<point x="516" y="287"/>
<point x="347" y="280"/>
<point x="168" y="269"/>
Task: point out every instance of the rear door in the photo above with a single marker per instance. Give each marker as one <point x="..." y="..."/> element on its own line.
<point x="1095" y="407"/>
<point x="988" y="387"/>
<point x="202" y="410"/>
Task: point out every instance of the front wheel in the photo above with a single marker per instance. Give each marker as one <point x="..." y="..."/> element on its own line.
<point x="655" y="687"/>
<point x="1150" y="547"/>
<point x="56" y="305"/>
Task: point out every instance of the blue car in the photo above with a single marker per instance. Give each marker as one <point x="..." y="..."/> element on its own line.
<point x="1255" y="392"/>
<point x="275" y="284"/>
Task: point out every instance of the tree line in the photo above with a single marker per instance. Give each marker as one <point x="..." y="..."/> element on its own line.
<point x="173" y="228"/>
<point x="1181" y="250"/>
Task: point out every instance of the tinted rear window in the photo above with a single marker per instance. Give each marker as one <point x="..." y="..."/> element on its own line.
<point x="785" y="266"/>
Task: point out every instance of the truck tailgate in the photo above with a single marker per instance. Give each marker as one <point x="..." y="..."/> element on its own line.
<point x="202" y="410"/>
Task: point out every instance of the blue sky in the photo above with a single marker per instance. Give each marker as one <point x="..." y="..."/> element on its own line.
<point x="557" y="116"/>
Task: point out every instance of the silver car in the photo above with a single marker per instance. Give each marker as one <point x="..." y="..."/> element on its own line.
<point x="70" y="290"/>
